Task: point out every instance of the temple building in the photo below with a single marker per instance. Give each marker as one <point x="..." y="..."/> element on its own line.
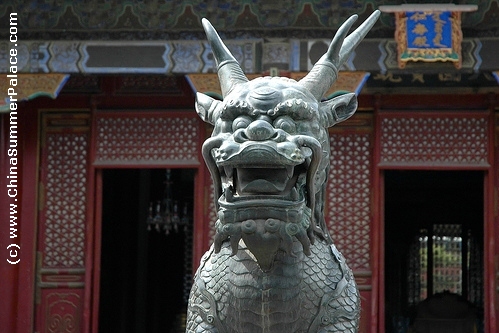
<point x="99" y="137"/>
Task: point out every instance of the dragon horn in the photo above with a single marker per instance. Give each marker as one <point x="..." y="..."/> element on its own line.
<point x="229" y="71"/>
<point x="357" y="36"/>
<point x="325" y="71"/>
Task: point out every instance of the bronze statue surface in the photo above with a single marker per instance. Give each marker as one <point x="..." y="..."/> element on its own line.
<point x="273" y="267"/>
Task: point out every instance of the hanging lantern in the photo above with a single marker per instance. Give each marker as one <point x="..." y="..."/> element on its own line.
<point x="164" y="216"/>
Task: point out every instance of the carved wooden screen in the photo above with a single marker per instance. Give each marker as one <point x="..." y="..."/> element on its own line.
<point x="147" y="139"/>
<point x="434" y="140"/>
<point x="64" y="155"/>
<point x="349" y="190"/>
<point x="349" y="195"/>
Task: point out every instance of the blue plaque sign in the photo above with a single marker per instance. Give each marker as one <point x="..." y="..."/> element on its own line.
<point x="429" y="37"/>
<point x="429" y="30"/>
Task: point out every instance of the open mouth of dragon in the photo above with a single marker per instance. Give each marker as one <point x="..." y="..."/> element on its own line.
<point x="259" y="181"/>
<point x="265" y="196"/>
<point x="249" y="183"/>
<point x="248" y="174"/>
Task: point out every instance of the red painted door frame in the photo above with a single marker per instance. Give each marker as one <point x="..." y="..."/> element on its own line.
<point x="94" y="234"/>
<point x="491" y="230"/>
<point x="91" y="309"/>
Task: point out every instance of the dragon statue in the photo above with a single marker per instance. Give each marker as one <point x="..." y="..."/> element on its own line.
<point x="273" y="267"/>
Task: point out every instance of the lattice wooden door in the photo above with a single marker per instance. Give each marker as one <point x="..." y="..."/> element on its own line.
<point x="348" y="202"/>
<point x="62" y="220"/>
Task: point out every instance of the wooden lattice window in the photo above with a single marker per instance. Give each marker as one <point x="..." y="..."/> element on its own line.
<point x="444" y="258"/>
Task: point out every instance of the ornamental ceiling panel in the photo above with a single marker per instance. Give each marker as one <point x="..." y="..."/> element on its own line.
<point x="176" y="19"/>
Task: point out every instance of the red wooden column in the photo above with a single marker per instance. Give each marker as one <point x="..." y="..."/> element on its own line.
<point x="206" y="216"/>
<point x="493" y="216"/>
<point x="9" y="273"/>
<point x="348" y="201"/>
<point x="18" y="151"/>
<point x="63" y="193"/>
<point x="204" y="205"/>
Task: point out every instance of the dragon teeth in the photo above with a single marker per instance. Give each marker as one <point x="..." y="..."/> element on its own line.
<point x="229" y="171"/>
<point x="229" y="196"/>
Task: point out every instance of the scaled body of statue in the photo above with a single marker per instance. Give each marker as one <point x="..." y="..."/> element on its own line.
<point x="273" y="267"/>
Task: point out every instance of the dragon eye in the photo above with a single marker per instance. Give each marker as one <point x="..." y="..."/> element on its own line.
<point x="286" y="124"/>
<point x="241" y="122"/>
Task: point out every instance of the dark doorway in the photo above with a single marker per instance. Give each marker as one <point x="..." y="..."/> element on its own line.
<point x="434" y="223"/>
<point x="144" y="274"/>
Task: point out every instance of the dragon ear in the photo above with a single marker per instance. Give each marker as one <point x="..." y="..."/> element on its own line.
<point x="338" y="109"/>
<point x="207" y="108"/>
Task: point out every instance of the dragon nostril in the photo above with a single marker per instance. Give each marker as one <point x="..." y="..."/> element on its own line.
<point x="260" y="130"/>
<point x="240" y="136"/>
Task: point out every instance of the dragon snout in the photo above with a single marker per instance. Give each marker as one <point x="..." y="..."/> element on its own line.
<point x="259" y="130"/>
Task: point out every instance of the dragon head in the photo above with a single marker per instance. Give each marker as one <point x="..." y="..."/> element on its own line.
<point x="269" y="151"/>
